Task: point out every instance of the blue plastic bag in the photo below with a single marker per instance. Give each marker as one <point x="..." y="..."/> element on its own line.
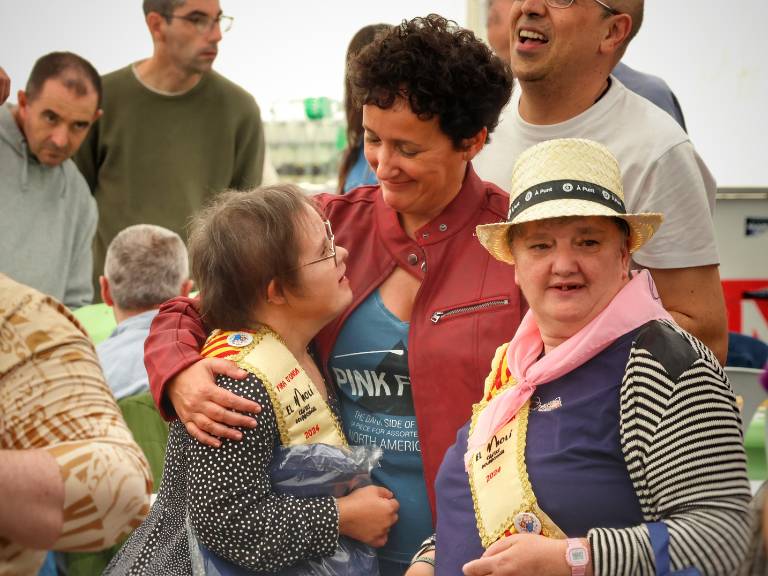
<point x="307" y="471"/>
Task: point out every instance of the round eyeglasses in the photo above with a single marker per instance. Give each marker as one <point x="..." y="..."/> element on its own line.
<point x="330" y="248"/>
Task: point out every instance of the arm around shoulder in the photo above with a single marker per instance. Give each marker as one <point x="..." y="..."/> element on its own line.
<point x="183" y="384"/>
<point x="175" y="339"/>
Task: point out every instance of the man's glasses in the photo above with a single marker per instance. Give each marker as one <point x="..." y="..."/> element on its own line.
<point x="204" y="23"/>
<point x="330" y="247"/>
<point x="568" y="3"/>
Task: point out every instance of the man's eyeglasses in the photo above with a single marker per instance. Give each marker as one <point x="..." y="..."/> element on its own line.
<point x="568" y="3"/>
<point x="330" y="248"/>
<point x="204" y="23"/>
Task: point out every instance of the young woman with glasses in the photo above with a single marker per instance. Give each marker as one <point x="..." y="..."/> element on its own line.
<point x="270" y="277"/>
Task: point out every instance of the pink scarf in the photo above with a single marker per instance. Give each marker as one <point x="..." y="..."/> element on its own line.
<point x="636" y="304"/>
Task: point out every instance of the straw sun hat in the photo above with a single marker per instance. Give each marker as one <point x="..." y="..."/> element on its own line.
<point x="565" y="177"/>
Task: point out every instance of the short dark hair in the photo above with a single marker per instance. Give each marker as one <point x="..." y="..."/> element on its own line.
<point x="241" y="242"/>
<point x="164" y="7"/>
<point x="74" y="71"/>
<point x="441" y="70"/>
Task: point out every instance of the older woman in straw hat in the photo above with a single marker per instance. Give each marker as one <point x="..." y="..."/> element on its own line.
<point x="604" y="429"/>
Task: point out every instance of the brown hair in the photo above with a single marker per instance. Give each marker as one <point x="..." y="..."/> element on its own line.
<point x="239" y="244"/>
<point x="354" y="110"/>
<point x="74" y="71"/>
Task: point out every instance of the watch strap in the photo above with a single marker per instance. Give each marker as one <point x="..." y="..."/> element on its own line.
<point x="576" y="546"/>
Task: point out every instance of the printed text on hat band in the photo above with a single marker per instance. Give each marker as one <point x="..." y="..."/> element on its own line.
<point x="565" y="190"/>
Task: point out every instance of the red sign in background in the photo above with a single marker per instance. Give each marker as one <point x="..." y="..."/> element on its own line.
<point x="746" y="315"/>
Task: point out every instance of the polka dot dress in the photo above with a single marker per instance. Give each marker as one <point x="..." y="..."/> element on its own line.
<point x="228" y="496"/>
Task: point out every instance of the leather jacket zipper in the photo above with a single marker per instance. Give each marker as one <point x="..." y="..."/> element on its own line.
<point x="440" y="314"/>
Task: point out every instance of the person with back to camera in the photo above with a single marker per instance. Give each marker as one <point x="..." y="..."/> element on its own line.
<point x="605" y="430"/>
<point x="270" y="276"/>
<point x="431" y="93"/>
<point x="145" y="266"/>
<point x="354" y="170"/>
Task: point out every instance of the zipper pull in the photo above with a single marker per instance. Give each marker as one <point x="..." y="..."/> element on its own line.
<point x="436" y="317"/>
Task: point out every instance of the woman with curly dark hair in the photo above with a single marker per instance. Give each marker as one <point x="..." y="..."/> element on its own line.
<point x="409" y="356"/>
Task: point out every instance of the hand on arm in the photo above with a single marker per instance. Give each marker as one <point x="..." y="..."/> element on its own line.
<point x="524" y="554"/>
<point x="207" y="410"/>
<point x="367" y="514"/>
<point x="694" y="298"/>
<point x="179" y="376"/>
<point x="33" y="498"/>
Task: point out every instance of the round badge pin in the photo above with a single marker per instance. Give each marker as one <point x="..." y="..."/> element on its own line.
<point x="527" y="523"/>
<point x="239" y="339"/>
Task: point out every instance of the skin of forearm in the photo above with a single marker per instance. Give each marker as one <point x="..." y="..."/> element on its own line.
<point x="716" y="340"/>
<point x="33" y="498"/>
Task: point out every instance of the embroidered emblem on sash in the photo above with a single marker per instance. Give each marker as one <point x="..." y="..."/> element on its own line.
<point x="303" y="416"/>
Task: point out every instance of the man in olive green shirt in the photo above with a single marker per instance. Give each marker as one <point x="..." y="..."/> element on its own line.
<point x="174" y="132"/>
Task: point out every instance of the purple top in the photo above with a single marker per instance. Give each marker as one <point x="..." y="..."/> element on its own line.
<point x="764" y="377"/>
<point x="573" y="455"/>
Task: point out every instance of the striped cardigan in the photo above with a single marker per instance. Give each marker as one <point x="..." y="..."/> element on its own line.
<point x="682" y="442"/>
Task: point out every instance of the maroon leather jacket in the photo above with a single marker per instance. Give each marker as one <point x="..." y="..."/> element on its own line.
<point x="468" y="304"/>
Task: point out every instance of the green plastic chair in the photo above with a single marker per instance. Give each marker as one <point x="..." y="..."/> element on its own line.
<point x="98" y="320"/>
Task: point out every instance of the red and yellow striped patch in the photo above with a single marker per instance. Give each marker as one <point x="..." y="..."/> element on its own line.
<point x="218" y="346"/>
<point x="503" y="376"/>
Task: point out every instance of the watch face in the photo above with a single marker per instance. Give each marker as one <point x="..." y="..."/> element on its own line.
<point x="577" y="557"/>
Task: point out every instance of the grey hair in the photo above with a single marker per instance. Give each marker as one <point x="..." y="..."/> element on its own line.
<point x="164" y="7"/>
<point x="145" y="266"/>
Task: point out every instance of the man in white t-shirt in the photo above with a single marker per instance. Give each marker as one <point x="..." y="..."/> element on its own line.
<point x="648" y="86"/>
<point x="562" y="53"/>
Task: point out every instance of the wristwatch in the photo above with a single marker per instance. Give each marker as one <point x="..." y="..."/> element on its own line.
<point x="577" y="557"/>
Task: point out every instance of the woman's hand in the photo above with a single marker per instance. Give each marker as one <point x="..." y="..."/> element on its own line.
<point x="367" y="514"/>
<point x="206" y="409"/>
<point x="523" y="554"/>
